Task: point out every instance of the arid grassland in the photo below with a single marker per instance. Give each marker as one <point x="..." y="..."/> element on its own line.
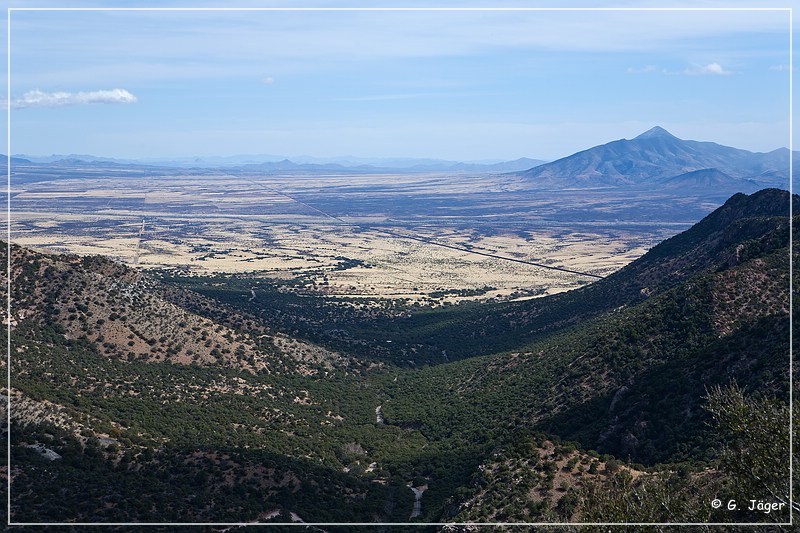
<point x="418" y="236"/>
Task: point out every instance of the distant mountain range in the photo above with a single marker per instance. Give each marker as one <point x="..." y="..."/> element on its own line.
<point x="273" y="163"/>
<point x="658" y="159"/>
<point x="14" y="159"/>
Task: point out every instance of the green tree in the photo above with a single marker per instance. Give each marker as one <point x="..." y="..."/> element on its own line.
<point x="756" y="433"/>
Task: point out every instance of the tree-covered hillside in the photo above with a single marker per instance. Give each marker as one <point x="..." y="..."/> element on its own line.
<point x="137" y="398"/>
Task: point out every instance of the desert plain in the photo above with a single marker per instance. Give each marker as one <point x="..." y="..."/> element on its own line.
<point x="430" y="237"/>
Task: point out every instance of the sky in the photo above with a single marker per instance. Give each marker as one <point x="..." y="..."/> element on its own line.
<point x="455" y="84"/>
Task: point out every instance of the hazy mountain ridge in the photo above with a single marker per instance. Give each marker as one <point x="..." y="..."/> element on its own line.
<point x="657" y="158"/>
<point x="14" y="160"/>
<point x="271" y="163"/>
<point x="708" y="178"/>
<point x="654" y="159"/>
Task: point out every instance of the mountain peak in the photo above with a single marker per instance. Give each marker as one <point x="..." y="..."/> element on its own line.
<point x="656" y="155"/>
<point x="654" y="132"/>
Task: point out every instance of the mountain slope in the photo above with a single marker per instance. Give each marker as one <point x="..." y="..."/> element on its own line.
<point x="129" y="315"/>
<point x="631" y="381"/>
<point x="219" y="440"/>
<point x="708" y="178"/>
<point x="657" y="155"/>
<point x="741" y="228"/>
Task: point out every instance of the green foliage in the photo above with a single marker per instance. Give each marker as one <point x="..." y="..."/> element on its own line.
<point x="620" y="366"/>
<point x="178" y="485"/>
<point x="755" y="455"/>
<point x="753" y="466"/>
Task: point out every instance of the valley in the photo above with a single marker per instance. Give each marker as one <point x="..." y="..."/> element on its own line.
<point x="369" y="267"/>
<point x="200" y="346"/>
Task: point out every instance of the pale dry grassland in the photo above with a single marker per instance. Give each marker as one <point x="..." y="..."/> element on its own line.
<point x="347" y="236"/>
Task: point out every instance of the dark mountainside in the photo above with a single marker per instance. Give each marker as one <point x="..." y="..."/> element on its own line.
<point x="131" y="316"/>
<point x="657" y="158"/>
<point x="716" y="305"/>
<point x="164" y="404"/>
<point x="743" y="226"/>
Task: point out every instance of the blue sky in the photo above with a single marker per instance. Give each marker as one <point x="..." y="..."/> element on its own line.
<point x="455" y="84"/>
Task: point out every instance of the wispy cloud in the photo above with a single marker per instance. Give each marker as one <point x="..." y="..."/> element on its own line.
<point x="713" y="69"/>
<point x="402" y="96"/>
<point x="647" y="69"/>
<point x="382" y="97"/>
<point x="269" y="80"/>
<point x="37" y="98"/>
<point x="222" y="44"/>
<point x="781" y="68"/>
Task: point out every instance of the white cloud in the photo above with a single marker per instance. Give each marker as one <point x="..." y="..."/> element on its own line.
<point x="714" y="69"/>
<point x="37" y="98"/>
<point x="781" y="68"/>
<point x="269" y="80"/>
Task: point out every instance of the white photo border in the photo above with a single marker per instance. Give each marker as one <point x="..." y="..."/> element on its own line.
<point x="788" y="10"/>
